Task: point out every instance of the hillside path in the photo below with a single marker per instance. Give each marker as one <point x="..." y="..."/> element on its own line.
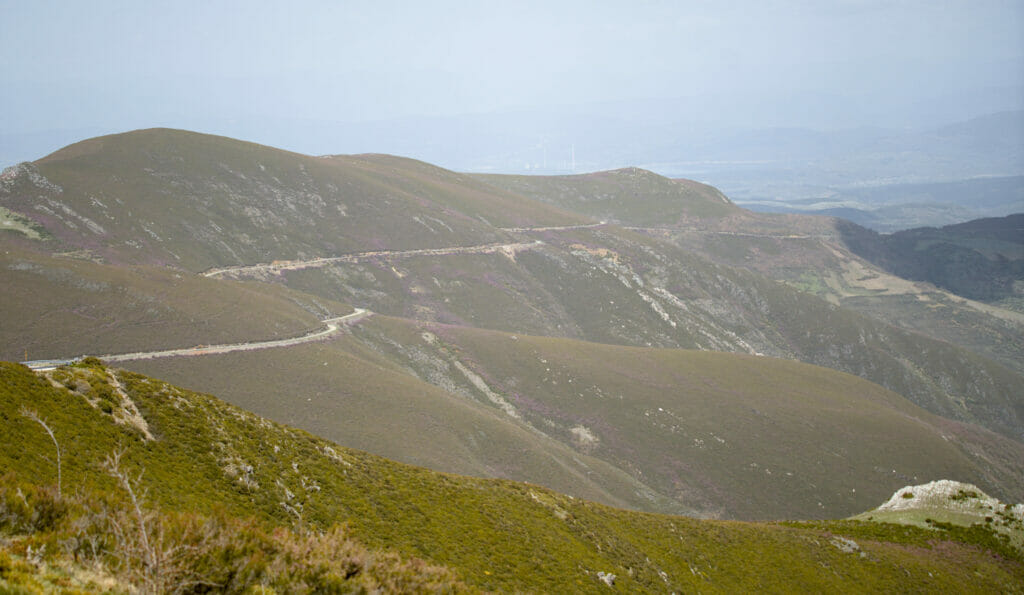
<point x="278" y="266"/>
<point x="331" y="327"/>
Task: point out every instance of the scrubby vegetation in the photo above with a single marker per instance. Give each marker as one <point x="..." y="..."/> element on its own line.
<point x="64" y="306"/>
<point x="222" y="499"/>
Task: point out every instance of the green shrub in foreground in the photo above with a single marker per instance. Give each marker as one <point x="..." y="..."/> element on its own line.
<point x="159" y="552"/>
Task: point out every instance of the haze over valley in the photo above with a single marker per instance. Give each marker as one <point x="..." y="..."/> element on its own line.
<point x="702" y="297"/>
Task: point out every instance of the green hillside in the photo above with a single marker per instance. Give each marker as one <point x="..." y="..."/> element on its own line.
<point x="223" y="463"/>
<point x="352" y="395"/>
<point x="704" y="427"/>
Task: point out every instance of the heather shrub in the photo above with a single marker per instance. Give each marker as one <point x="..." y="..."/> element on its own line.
<point x="27" y="508"/>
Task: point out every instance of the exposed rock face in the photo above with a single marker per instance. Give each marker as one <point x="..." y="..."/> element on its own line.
<point x="952" y="495"/>
<point x="26" y="171"/>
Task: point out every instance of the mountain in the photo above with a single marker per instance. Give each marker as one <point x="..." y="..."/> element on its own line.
<point x="192" y="201"/>
<point x="198" y="241"/>
<point x="271" y="505"/>
<point x="840" y="262"/>
<point x="357" y="390"/>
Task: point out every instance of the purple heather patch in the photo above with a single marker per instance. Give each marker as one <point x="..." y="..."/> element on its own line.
<point x="491" y="280"/>
<point x="532" y="405"/>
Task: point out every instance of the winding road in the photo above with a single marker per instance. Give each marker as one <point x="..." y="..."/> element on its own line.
<point x="331" y="327"/>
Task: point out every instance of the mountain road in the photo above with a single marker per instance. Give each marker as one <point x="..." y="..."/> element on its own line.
<point x="331" y="327"/>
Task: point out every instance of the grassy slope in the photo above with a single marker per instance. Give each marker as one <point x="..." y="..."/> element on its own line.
<point x="195" y="201"/>
<point x="628" y="196"/>
<point x="462" y="193"/>
<point x="727" y="432"/>
<point x="56" y="307"/>
<point x="493" y="534"/>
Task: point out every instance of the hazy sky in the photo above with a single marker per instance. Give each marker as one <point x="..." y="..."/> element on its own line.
<point x="130" y="64"/>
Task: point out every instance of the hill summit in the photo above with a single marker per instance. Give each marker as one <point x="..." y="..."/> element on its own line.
<point x="196" y="201"/>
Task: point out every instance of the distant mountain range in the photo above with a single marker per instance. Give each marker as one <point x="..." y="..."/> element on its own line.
<point x="894" y="207"/>
<point x="618" y="336"/>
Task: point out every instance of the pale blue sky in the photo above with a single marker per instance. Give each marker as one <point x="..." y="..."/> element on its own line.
<point x="118" y="65"/>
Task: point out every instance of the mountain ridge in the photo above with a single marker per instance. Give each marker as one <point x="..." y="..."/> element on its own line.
<point x="153" y="193"/>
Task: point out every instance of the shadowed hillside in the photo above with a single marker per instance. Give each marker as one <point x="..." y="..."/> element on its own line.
<point x="981" y="260"/>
